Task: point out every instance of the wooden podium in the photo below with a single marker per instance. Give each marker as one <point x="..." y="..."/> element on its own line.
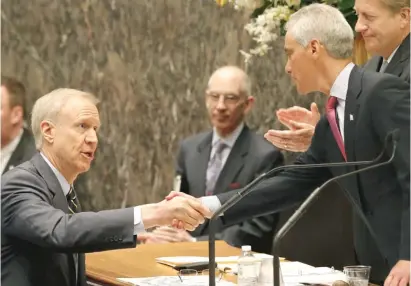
<point x="105" y="267"/>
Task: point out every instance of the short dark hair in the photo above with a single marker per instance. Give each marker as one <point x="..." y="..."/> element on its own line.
<point x="17" y="92"/>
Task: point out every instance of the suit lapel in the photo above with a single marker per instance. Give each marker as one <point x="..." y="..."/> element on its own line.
<point x="396" y="65"/>
<point x="374" y="64"/>
<point x="351" y="112"/>
<point x="59" y="199"/>
<point x="234" y="162"/>
<point x="201" y="164"/>
<point x="18" y="153"/>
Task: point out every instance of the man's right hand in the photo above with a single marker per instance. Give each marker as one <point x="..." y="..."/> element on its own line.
<point x="186" y="209"/>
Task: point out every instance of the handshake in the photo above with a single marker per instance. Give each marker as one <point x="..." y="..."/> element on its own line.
<point x="179" y="210"/>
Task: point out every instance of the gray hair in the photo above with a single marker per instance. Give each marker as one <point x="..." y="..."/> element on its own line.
<point x="49" y="106"/>
<point x="326" y="24"/>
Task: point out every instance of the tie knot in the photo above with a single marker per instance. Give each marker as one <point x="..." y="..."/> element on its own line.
<point x="331" y="103"/>
<point x="220" y="147"/>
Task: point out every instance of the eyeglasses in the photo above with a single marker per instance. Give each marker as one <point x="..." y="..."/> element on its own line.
<point x="227" y="98"/>
<point x="219" y="274"/>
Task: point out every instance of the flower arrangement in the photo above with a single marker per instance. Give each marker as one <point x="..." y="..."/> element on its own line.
<point x="268" y="18"/>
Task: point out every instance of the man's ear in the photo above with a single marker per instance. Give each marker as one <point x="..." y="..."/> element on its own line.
<point x="405" y="17"/>
<point x="314" y="47"/>
<point x="249" y="104"/>
<point x="16" y="115"/>
<point x="48" y="130"/>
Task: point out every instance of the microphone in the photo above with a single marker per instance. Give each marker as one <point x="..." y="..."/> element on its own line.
<point x="250" y="187"/>
<point x="314" y="195"/>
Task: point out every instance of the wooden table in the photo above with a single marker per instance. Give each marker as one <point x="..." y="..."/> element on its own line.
<point x="107" y="266"/>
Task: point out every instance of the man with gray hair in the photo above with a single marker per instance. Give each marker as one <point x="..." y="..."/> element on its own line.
<point x="44" y="233"/>
<point x="362" y="109"/>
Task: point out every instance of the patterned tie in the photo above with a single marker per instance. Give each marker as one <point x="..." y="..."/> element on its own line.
<point x="214" y="168"/>
<point x="72" y="200"/>
<point x="73" y="206"/>
<point x="332" y="120"/>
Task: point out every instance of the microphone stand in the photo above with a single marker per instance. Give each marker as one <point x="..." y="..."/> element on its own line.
<point x="309" y="201"/>
<point x="250" y="187"/>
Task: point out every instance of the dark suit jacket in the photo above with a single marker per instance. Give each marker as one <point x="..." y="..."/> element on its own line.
<point x="250" y="156"/>
<point x="379" y="103"/>
<point x="399" y="65"/>
<point x="23" y="152"/>
<point x="38" y="237"/>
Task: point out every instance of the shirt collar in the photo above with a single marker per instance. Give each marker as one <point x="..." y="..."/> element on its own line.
<point x="9" y="148"/>
<point x="392" y="55"/>
<point x="63" y="182"/>
<point x="230" y="139"/>
<point x="340" y="87"/>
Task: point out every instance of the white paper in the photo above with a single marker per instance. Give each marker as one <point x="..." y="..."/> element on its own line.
<point x="195" y="259"/>
<point x="173" y="281"/>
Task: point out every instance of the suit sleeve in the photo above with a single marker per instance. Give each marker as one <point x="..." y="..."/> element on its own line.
<point x="252" y="230"/>
<point x="27" y="214"/>
<point x="391" y="110"/>
<point x="283" y="191"/>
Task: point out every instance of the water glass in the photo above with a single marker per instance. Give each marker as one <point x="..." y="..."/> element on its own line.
<point x="265" y="275"/>
<point x="357" y="275"/>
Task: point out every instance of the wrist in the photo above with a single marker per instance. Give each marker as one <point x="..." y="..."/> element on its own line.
<point x="150" y="216"/>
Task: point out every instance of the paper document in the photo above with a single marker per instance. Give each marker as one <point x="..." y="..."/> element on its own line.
<point x="181" y="260"/>
<point x="173" y="281"/>
<point x="295" y="272"/>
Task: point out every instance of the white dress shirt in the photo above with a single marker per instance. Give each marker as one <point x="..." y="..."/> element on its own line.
<point x="8" y="150"/>
<point x="339" y="90"/>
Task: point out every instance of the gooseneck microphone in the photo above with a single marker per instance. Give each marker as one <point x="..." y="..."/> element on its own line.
<point x="250" y="187"/>
<point x="314" y="195"/>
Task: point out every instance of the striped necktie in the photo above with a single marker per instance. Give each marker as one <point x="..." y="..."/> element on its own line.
<point x="72" y="200"/>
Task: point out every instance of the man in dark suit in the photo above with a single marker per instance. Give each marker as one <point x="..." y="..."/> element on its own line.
<point x="385" y="27"/>
<point x="43" y="231"/>
<point x="246" y="155"/>
<point x="17" y="143"/>
<point x="362" y="109"/>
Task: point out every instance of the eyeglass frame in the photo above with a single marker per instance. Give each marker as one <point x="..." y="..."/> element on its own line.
<point x="221" y="272"/>
<point x="228" y="98"/>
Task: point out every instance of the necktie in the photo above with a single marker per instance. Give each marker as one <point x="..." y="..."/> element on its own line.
<point x="73" y="207"/>
<point x="332" y="120"/>
<point x="214" y="168"/>
<point x="72" y="201"/>
<point x="383" y="66"/>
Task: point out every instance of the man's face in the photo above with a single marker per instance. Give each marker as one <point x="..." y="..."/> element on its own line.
<point x="226" y="104"/>
<point x="381" y="28"/>
<point x="301" y="65"/>
<point x="10" y="117"/>
<point x="74" y="135"/>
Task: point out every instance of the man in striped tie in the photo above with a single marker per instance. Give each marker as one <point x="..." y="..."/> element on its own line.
<point x="44" y="232"/>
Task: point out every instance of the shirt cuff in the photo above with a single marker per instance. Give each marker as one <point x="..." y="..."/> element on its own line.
<point x="138" y="223"/>
<point x="211" y="202"/>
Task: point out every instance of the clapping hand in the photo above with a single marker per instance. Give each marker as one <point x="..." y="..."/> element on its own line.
<point x="301" y="123"/>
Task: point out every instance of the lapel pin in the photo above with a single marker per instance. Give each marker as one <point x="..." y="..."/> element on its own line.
<point x="11" y="167"/>
<point x="351" y="117"/>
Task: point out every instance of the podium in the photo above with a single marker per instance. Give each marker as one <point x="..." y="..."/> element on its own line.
<point x="103" y="268"/>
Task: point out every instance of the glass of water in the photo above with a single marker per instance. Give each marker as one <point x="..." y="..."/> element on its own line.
<point x="358" y="275"/>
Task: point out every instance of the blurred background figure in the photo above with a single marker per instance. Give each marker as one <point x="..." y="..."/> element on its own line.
<point x="227" y="157"/>
<point x="17" y="143"/>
